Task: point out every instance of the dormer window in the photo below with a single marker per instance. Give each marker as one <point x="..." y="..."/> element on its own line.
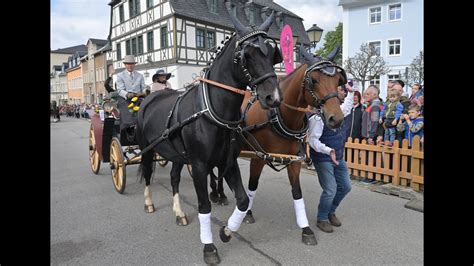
<point x="233" y="7"/>
<point x="265" y="12"/>
<point x="280" y="19"/>
<point x="213" y="6"/>
<point x="249" y="10"/>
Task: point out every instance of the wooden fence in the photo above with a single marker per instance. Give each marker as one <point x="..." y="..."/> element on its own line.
<point x="399" y="166"/>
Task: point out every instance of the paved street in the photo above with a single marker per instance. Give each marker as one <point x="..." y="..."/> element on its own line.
<point x="91" y="224"/>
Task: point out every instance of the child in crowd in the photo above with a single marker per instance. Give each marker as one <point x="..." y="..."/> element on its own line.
<point x="390" y="115"/>
<point x="413" y="124"/>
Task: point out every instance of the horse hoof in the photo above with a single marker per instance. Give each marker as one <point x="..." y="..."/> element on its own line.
<point x="248" y="219"/>
<point x="214" y="197"/>
<point x="212" y="257"/>
<point x="223" y="236"/>
<point x="181" y="221"/>
<point x="309" y="240"/>
<point x="150" y="208"/>
<point x="223" y="201"/>
<point x="308" y="237"/>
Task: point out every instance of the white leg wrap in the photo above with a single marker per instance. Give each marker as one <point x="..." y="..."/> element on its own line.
<point x="177" y="206"/>
<point x="148" y="200"/>
<point x="205" y="223"/>
<point x="251" y="195"/>
<point x="300" y="211"/>
<point x="236" y="219"/>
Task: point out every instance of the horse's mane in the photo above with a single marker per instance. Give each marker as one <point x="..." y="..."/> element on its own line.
<point x="224" y="47"/>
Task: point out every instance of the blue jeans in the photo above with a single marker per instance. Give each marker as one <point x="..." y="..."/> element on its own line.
<point x="335" y="182"/>
<point x="390" y="134"/>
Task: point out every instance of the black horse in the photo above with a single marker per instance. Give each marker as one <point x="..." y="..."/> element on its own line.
<point x="200" y="127"/>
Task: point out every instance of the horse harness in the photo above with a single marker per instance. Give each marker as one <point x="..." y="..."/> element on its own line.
<point x="327" y="68"/>
<point x="203" y="92"/>
<point x="276" y="121"/>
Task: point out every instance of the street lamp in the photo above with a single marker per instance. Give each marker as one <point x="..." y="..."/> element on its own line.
<point x="314" y="34"/>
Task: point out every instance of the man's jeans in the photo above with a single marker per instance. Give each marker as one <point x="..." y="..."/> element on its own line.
<point x="336" y="183"/>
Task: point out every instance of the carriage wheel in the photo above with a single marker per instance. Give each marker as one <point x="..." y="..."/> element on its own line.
<point x="190" y="169"/>
<point x="162" y="162"/>
<point x="119" y="174"/>
<point x="94" y="157"/>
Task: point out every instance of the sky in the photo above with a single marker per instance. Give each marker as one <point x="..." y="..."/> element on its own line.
<point x="73" y="22"/>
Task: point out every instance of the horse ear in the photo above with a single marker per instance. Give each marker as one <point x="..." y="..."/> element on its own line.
<point x="306" y="57"/>
<point x="268" y="22"/>
<point x="241" y="29"/>
<point x="333" y="53"/>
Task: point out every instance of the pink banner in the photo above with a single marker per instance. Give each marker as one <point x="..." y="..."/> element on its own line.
<point x="286" y="44"/>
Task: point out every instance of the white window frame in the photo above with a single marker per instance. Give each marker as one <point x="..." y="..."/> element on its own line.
<point x="393" y="74"/>
<point x="388" y="47"/>
<point x="380" y="41"/>
<point x="375" y="83"/>
<point x="388" y="12"/>
<point x="381" y="16"/>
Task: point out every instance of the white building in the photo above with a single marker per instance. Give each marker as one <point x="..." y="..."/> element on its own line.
<point x="180" y="36"/>
<point x="394" y="28"/>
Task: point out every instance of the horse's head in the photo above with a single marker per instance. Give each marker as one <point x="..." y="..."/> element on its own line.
<point x="321" y="79"/>
<point x="255" y="54"/>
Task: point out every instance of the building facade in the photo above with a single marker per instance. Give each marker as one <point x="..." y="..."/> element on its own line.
<point x="393" y="28"/>
<point x="75" y="82"/>
<point x="58" y="66"/>
<point x="93" y="70"/>
<point x="181" y="36"/>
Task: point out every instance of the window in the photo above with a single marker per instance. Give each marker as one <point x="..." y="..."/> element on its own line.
<point x="252" y="16"/>
<point x="121" y="14"/>
<point x="134" y="7"/>
<point x="140" y="44"/>
<point x="395" y="12"/>
<point x="200" y="38"/>
<point x="164" y="37"/>
<point x="119" y="51"/>
<point x="393" y="77"/>
<point x="375" y="81"/>
<point x="213" y="6"/>
<point x="233" y="8"/>
<point x="394" y="47"/>
<point x="127" y="47"/>
<point x="149" y="4"/>
<point x="150" y="43"/>
<point x="375" y="48"/>
<point x="205" y="39"/>
<point x="211" y="39"/>
<point x="134" y="46"/>
<point x="375" y="14"/>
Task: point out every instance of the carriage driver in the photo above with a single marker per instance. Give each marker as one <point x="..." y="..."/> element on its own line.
<point x="130" y="84"/>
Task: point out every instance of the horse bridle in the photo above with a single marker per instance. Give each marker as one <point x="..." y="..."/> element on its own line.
<point x="328" y="68"/>
<point x="239" y="50"/>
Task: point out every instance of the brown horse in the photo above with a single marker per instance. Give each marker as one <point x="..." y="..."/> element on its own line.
<point x="314" y="83"/>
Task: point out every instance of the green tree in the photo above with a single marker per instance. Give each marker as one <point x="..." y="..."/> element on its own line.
<point x="331" y="40"/>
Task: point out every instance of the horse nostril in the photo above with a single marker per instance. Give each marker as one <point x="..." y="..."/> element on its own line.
<point x="271" y="101"/>
<point x="331" y="120"/>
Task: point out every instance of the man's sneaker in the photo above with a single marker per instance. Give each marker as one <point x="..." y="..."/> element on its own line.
<point x="333" y="220"/>
<point x="325" y="226"/>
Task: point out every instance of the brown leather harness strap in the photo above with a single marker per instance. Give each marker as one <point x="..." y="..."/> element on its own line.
<point x="299" y="109"/>
<point x="227" y="87"/>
